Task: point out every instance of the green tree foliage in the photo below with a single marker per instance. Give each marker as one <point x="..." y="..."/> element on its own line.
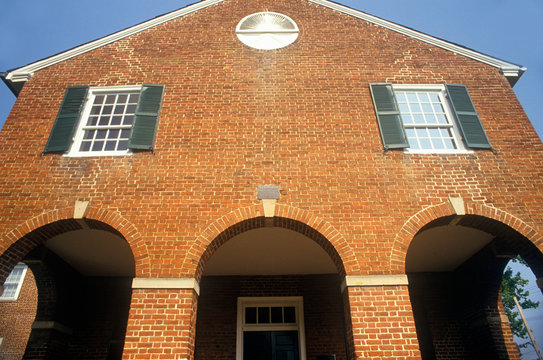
<point x="514" y="285"/>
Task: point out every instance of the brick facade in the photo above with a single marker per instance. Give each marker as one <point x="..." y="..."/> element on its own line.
<point x="16" y="318"/>
<point x="302" y="118"/>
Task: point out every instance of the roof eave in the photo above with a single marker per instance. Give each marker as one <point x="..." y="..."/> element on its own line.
<point x="16" y="78"/>
<point x="511" y="71"/>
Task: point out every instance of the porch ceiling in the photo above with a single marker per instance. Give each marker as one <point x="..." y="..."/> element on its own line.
<point x="94" y="252"/>
<point x="444" y="248"/>
<point x="270" y="251"/>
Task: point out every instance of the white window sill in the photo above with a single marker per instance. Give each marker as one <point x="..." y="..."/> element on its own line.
<point x="439" y="152"/>
<point x="101" y="154"/>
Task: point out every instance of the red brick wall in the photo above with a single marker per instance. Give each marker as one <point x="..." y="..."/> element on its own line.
<point x="16" y="318"/>
<point x="161" y="325"/>
<point x="234" y="118"/>
<point x="383" y="324"/>
<point x="217" y="312"/>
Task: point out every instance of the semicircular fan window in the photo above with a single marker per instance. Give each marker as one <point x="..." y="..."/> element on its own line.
<point x="267" y="31"/>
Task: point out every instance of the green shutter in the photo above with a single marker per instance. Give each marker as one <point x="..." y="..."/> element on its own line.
<point x="468" y="120"/>
<point x="61" y="136"/>
<point x="388" y="116"/>
<point x="142" y="136"/>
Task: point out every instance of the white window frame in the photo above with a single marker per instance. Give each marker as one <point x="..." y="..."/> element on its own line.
<point x="295" y="301"/>
<point x="262" y="39"/>
<point x="81" y="126"/>
<point x="19" y="282"/>
<point x="445" y="102"/>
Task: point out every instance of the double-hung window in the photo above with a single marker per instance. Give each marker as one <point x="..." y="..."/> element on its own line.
<point x="100" y="121"/>
<point x="428" y="118"/>
<point x="14" y="282"/>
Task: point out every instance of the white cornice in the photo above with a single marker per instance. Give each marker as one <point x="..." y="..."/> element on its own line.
<point x="509" y="70"/>
<point x="25" y="73"/>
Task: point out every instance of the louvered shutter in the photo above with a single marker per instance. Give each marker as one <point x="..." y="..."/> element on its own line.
<point x="468" y="120"/>
<point x="388" y="117"/>
<point x="142" y="136"/>
<point x="61" y="136"/>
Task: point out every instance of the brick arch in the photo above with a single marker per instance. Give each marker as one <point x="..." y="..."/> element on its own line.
<point x="519" y="235"/>
<point x="252" y="217"/>
<point x="15" y="244"/>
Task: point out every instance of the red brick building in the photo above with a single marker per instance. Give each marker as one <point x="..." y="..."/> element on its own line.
<point x="287" y="179"/>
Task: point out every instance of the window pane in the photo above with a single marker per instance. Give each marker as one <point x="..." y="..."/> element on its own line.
<point x="116" y="120"/>
<point x="9" y="290"/>
<point x="89" y="134"/>
<point x="125" y="133"/>
<point x="449" y="144"/>
<point x="113" y="134"/>
<point x="131" y="109"/>
<point x="96" y="110"/>
<point x="442" y="119"/>
<point x="104" y="121"/>
<point x="425" y="144"/>
<point x="431" y="119"/>
<point x="250" y="315"/>
<point x="423" y="97"/>
<point x="92" y="121"/>
<point x="110" y="145"/>
<point x="416" y="108"/>
<point x="418" y="119"/>
<point x="263" y="315"/>
<point x="99" y="99"/>
<point x="407" y="119"/>
<point x="110" y="99"/>
<point x="404" y="108"/>
<point x="428" y="108"/>
<point x="106" y="110"/>
<point x="119" y="109"/>
<point x="437" y="144"/>
<point x="122" y="98"/>
<point x="123" y="145"/>
<point x="128" y="120"/>
<point x="413" y="143"/>
<point x="97" y="146"/>
<point x="85" y="146"/>
<point x="276" y="315"/>
<point x="400" y="96"/>
<point x="101" y="134"/>
<point x="434" y="133"/>
<point x="134" y="98"/>
<point x="290" y="314"/>
<point x="412" y="97"/>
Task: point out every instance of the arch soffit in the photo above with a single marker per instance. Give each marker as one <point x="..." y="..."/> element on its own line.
<point x="200" y="251"/>
<point x="422" y="218"/>
<point x="114" y="219"/>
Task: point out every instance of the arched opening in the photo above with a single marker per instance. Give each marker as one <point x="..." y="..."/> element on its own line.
<point x="455" y="266"/>
<point x="270" y="290"/>
<point x="82" y="270"/>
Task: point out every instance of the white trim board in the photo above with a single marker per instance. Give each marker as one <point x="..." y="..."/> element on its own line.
<point x="20" y="75"/>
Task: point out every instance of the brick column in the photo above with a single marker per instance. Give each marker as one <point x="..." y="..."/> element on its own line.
<point x="383" y="325"/>
<point x="162" y="319"/>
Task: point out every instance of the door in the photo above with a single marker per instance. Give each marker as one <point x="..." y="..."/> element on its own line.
<point x="270" y="345"/>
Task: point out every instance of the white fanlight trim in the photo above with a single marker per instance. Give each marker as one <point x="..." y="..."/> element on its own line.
<point x="267" y="30"/>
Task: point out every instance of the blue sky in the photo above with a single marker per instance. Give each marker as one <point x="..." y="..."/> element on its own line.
<point x="510" y="30"/>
